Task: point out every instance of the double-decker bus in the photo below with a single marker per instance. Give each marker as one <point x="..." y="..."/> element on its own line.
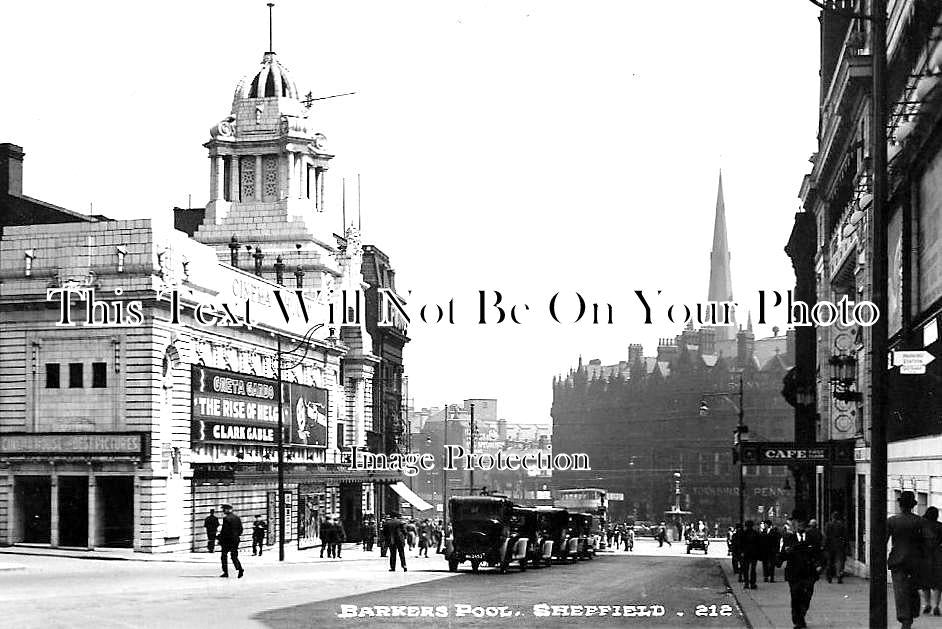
<point x="589" y="500"/>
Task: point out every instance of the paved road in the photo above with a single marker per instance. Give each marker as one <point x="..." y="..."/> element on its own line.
<point x="61" y="592"/>
<point x="671" y="586"/>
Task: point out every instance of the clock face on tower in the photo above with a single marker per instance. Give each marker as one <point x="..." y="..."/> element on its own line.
<point x="320" y="142"/>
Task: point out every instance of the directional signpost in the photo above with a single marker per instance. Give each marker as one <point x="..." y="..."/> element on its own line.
<point x="912" y="362"/>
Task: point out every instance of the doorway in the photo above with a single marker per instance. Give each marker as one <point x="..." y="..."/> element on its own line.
<point x="351" y="509"/>
<point x="73" y="511"/>
<point x="116" y="511"/>
<point x="33" y="503"/>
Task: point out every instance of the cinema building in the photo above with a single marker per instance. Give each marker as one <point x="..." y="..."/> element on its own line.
<point x="139" y="362"/>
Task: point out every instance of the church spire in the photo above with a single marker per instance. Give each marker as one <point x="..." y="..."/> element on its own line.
<point x="721" y="286"/>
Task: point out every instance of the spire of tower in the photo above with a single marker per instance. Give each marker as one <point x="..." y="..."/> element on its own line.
<point x="271" y="46"/>
<point x="721" y="285"/>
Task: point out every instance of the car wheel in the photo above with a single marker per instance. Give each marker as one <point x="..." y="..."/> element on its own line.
<point x="453" y="565"/>
<point x="523" y="565"/>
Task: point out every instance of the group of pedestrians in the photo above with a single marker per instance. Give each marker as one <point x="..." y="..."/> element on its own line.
<point x="620" y="533"/>
<point x="750" y="546"/>
<point x="333" y="535"/>
<point x="915" y="560"/>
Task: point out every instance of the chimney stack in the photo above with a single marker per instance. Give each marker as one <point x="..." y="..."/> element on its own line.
<point x="11" y="169"/>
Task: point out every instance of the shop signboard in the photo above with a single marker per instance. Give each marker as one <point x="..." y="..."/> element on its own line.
<point x="790" y="453"/>
<point x="233" y="408"/>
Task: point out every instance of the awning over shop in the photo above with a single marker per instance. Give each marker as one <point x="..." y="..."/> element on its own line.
<point x="410" y="496"/>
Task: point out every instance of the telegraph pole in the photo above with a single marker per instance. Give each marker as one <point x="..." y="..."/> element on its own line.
<point x="472" y="449"/>
<point x="878" y="332"/>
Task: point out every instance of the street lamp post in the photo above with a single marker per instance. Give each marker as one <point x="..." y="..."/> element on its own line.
<point x="445" y="475"/>
<point x="279" y="442"/>
<point x="741" y="429"/>
<point x="472" y="450"/>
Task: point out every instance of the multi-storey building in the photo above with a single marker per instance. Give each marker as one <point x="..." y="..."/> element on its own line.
<point x="832" y="251"/>
<point x="158" y="399"/>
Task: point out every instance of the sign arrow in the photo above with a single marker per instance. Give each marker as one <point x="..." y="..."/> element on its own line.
<point x="913" y="361"/>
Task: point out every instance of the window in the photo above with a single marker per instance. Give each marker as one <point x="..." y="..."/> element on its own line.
<point x="52" y="375"/>
<point x="99" y="375"/>
<point x="340" y="430"/>
<point x="76" y="376"/>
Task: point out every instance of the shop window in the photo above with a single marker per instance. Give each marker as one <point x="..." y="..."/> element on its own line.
<point x="52" y="375"/>
<point x="76" y="375"/>
<point x="99" y="375"/>
<point x="340" y="440"/>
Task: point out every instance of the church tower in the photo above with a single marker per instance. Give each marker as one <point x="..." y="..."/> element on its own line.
<point x="721" y="285"/>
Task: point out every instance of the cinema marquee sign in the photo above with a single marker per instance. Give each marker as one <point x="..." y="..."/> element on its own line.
<point x="789" y="452"/>
<point x="73" y="444"/>
<point x="234" y="408"/>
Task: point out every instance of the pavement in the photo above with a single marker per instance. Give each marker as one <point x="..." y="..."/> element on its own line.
<point x="349" y="552"/>
<point x="834" y="605"/>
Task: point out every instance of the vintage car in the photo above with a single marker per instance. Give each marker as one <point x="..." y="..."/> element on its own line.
<point x="554" y="525"/>
<point x="482" y="531"/>
<point x="581" y="528"/>
<point x="698" y="541"/>
<point x="525" y="524"/>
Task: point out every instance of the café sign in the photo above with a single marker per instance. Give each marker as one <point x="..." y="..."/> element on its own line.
<point x="788" y="452"/>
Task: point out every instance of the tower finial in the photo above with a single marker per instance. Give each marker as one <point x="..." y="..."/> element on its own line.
<point x="271" y="47"/>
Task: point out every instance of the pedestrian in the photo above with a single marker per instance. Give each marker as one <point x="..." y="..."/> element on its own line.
<point x="425" y="536"/>
<point x="368" y="534"/>
<point x="835" y="544"/>
<point x="327" y="537"/>
<point x="412" y="534"/>
<point x="383" y="547"/>
<point x="211" y="524"/>
<point x="734" y="548"/>
<point x="801" y="550"/>
<point x="259" y="530"/>
<point x="340" y="536"/>
<point x="229" y="539"/>
<point x="908" y="558"/>
<point x="394" y="534"/>
<point x="933" y="583"/>
<point x="630" y="539"/>
<point x="662" y="536"/>
<point x="750" y="548"/>
<point x="438" y="535"/>
<point x="771" y="539"/>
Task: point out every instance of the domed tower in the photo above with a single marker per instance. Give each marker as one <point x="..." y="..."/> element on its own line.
<point x="267" y="177"/>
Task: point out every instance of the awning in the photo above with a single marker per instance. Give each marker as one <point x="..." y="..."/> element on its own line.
<point x="410" y="496"/>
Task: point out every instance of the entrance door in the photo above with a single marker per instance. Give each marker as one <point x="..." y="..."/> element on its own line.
<point x="351" y="509"/>
<point x="73" y="511"/>
<point x="33" y="498"/>
<point x="116" y="511"/>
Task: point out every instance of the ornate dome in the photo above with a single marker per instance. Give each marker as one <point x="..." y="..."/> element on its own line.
<point x="272" y="79"/>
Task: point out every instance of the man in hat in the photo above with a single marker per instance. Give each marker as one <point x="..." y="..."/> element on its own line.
<point x="801" y="549"/>
<point x="211" y="524"/>
<point x="907" y="561"/>
<point x="394" y="533"/>
<point x="229" y="538"/>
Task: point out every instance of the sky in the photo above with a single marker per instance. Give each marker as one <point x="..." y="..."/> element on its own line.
<point x="530" y="148"/>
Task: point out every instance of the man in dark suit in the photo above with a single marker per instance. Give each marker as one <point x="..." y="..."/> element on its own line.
<point x="327" y="537"/>
<point x="750" y="547"/>
<point x="770" y="541"/>
<point x="801" y="549"/>
<point x="229" y="539"/>
<point x="259" y="531"/>
<point x="394" y="534"/>
<point x="211" y="524"/>
<point x="340" y="536"/>
<point x="835" y="543"/>
<point x="908" y="560"/>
